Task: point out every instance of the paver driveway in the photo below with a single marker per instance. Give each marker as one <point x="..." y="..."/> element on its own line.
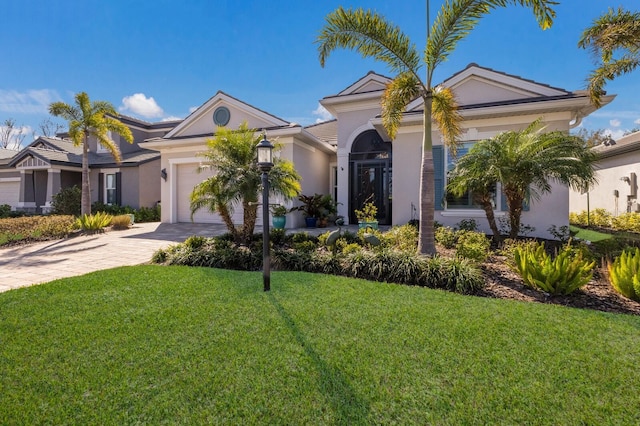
<point x="41" y="262"/>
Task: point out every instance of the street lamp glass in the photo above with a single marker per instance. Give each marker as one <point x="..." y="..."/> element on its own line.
<point x="265" y="152"/>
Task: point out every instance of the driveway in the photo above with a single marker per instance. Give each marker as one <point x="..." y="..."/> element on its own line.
<point x="22" y="266"/>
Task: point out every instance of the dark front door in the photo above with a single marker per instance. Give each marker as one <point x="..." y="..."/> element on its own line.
<point x="371" y="182"/>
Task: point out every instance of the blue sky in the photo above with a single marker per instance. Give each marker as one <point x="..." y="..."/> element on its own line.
<point x="159" y="59"/>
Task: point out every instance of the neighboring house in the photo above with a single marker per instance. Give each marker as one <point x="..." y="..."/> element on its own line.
<point x="48" y="165"/>
<point x="9" y="179"/>
<point x="353" y="159"/>
<point x="618" y="170"/>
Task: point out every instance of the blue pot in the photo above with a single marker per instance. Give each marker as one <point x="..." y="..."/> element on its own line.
<point x="279" y="222"/>
<point x="311" y="221"/>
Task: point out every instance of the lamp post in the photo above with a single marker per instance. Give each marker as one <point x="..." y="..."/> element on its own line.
<point x="265" y="163"/>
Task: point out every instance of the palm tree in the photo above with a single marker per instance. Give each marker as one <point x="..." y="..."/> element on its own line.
<point x="525" y="163"/>
<point x="615" y="32"/>
<point x="86" y="119"/>
<point x="372" y="36"/>
<point x="232" y="155"/>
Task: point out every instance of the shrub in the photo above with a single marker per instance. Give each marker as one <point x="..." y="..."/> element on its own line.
<point x="472" y="245"/>
<point x="34" y="228"/>
<point x="467" y="225"/>
<point x="402" y="238"/>
<point x="147" y="214"/>
<point x="5" y="211"/>
<point x="67" y="201"/>
<point x="504" y="226"/>
<point x="446" y="236"/>
<point x="597" y="217"/>
<point x="626" y="222"/>
<point x="122" y="221"/>
<point x="562" y="233"/>
<point x="564" y="274"/>
<point x="624" y="274"/>
<point x="94" y="222"/>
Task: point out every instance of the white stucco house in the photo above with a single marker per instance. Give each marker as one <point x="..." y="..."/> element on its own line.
<point x="352" y="158"/>
<point x="618" y="171"/>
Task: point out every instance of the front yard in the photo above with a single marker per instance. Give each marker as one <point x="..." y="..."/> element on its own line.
<point x="184" y="345"/>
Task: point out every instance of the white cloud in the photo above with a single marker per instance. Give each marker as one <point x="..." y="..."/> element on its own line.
<point x="139" y="104"/>
<point x="614" y="134"/>
<point x="615" y="123"/>
<point x="322" y="113"/>
<point x="171" y="118"/>
<point x="192" y="109"/>
<point x="637" y="121"/>
<point x="29" y="102"/>
<point x="17" y="137"/>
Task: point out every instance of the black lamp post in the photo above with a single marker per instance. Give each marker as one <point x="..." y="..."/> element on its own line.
<point x="265" y="162"/>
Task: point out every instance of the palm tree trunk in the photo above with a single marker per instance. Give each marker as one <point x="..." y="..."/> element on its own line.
<point x="249" y="219"/>
<point x="426" y="241"/>
<point x="223" y="211"/>
<point x="514" y="202"/>
<point x="85" y="200"/>
<point x="491" y="218"/>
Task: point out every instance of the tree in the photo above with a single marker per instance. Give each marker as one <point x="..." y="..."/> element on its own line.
<point x="613" y="38"/>
<point x="372" y="36"/>
<point x="593" y="137"/>
<point x="525" y="163"/>
<point x="11" y="137"/>
<point x="48" y="128"/>
<point x="232" y="155"/>
<point x="86" y="119"/>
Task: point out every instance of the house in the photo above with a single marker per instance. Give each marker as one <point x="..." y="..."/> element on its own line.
<point x="353" y="158"/>
<point x="30" y="177"/>
<point x="618" y="169"/>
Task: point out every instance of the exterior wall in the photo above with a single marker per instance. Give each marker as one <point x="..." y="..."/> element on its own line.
<point x="610" y="171"/>
<point x="130" y="190"/>
<point x="407" y="158"/>
<point x="149" y="182"/>
<point x="69" y="178"/>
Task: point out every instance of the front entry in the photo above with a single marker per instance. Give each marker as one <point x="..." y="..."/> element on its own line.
<point x="370" y="176"/>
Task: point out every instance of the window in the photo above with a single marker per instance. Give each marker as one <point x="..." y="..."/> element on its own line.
<point x="101" y="148"/>
<point x="110" y="189"/>
<point x="466" y="200"/>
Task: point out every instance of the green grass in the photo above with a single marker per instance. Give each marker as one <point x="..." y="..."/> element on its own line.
<point x="589" y="234"/>
<point x="180" y="345"/>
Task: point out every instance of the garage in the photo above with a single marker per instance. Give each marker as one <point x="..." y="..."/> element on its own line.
<point x="10" y="191"/>
<point x="187" y="178"/>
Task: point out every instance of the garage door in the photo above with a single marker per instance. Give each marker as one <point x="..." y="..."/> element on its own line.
<point x="10" y="192"/>
<point x="188" y="178"/>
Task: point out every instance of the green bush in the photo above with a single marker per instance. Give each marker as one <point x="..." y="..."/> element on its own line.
<point x="402" y="238"/>
<point x="626" y="222"/>
<point x="446" y="237"/>
<point x="472" y="245"/>
<point x="94" y="222"/>
<point x="597" y="217"/>
<point x="147" y="214"/>
<point x="35" y="228"/>
<point x="467" y="225"/>
<point x="564" y="274"/>
<point x="143" y="214"/>
<point x="624" y="274"/>
<point x="5" y="211"/>
<point x="67" y="201"/>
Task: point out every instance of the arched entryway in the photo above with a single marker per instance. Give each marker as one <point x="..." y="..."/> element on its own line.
<point x="370" y="174"/>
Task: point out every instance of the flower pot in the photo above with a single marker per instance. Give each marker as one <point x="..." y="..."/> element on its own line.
<point x="372" y="225"/>
<point x="311" y="221"/>
<point x="279" y="222"/>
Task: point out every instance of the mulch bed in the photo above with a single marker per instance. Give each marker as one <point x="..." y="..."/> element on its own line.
<point x="503" y="283"/>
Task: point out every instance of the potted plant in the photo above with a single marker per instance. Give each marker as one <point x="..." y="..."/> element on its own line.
<point x="278" y="218"/>
<point x="310" y="208"/>
<point x="367" y="216"/>
<point x="328" y="210"/>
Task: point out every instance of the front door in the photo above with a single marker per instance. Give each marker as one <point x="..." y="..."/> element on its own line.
<point x="371" y="182"/>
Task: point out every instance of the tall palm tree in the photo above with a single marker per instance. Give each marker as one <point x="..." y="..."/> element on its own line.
<point x="614" y="38"/>
<point x="232" y="155"/>
<point x="372" y="36"/>
<point x="525" y="163"/>
<point x="86" y="119"/>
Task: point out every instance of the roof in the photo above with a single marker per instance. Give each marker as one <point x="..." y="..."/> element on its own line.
<point x="326" y="131"/>
<point x="624" y="145"/>
<point x="64" y="152"/>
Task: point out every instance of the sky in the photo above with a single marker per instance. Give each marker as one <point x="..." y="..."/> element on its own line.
<point x="159" y="60"/>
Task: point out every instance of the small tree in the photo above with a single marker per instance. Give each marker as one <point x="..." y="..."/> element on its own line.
<point x="232" y="155"/>
<point x="11" y="137"/>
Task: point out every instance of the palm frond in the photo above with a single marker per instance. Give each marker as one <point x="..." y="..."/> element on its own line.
<point x="607" y="72"/>
<point x="398" y="93"/>
<point x="369" y="34"/>
<point x="447" y="116"/>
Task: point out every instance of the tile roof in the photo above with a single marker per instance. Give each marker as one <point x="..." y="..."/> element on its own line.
<point x="327" y="131"/>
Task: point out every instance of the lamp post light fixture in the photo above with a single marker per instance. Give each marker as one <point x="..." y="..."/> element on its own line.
<point x="265" y="163"/>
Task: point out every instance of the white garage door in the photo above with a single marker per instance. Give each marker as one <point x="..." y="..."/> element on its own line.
<point x="188" y="178"/>
<point x="10" y="192"/>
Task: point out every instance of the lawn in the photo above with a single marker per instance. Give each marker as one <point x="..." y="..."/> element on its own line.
<point x="180" y="345"/>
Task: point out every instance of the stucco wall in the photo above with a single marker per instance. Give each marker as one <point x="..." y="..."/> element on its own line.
<point x="149" y="182"/>
<point x="610" y="170"/>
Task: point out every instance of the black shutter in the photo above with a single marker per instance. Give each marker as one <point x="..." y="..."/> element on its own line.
<point x="438" y="169"/>
<point x="101" y="188"/>
<point x="119" y="188"/>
